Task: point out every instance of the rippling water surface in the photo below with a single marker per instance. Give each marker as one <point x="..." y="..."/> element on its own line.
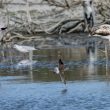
<point x="27" y="81"/>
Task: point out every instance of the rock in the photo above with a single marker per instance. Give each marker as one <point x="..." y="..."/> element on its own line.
<point x="103" y="30"/>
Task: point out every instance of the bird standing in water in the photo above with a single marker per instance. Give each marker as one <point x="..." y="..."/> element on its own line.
<point x="61" y="66"/>
<point x="60" y="69"/>
<point x="23" y="48"/>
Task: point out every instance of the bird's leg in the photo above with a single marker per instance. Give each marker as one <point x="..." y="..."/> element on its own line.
<point x="62" y="76"/>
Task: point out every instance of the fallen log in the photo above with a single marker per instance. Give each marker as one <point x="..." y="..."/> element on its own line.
<point x="9" y="38"/>
<point x="64" y="26"/>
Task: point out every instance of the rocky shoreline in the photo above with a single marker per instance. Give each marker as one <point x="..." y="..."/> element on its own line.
<point x="31" y="18"/>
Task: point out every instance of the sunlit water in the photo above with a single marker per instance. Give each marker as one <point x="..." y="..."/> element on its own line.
<point x="27" y="81"/>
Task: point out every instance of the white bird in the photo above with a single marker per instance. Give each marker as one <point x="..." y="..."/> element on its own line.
<point x="24" y="49"/>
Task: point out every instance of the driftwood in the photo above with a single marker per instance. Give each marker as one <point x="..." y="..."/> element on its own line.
<point x="9" y="38"/>
<point x="66" y="26"/>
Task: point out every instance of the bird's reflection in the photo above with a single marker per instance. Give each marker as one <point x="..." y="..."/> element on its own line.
<point x="91" y="50"/>
<point x="24" y="63"/>
<point x="106" y="66"/>
<point x="64" y="91"/>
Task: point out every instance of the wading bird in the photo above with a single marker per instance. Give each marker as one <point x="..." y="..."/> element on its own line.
<point x="88" y="15"/>
<point x="26" y="63"/>
<point x="60" y="70"/>
<point x="24" y="49"/>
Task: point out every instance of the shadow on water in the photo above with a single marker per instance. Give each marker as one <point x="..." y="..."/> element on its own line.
<point x="64" y="91"/>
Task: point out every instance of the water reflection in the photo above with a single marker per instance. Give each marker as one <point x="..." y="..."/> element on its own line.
<point x="12" y="61"/>
<point x="24" y="63"/>
<point x="83" y="63"/>
<point x="107" y="63"/>
<point x="92" y="53"/>
<point x="64" y="91"/>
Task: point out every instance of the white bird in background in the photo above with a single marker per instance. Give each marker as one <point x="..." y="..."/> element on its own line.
<point x="25" y="63"/>
<point x="24" y="49"/>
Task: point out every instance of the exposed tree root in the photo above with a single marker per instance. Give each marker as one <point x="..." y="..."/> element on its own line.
<point x="9" y="38"/>
<point x="64" y="26"/>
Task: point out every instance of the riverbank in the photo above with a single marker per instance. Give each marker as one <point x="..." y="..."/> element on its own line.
<point x="52" y="17"/>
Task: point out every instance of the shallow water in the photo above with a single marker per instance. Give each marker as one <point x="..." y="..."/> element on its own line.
<point x="27" y="81"/>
